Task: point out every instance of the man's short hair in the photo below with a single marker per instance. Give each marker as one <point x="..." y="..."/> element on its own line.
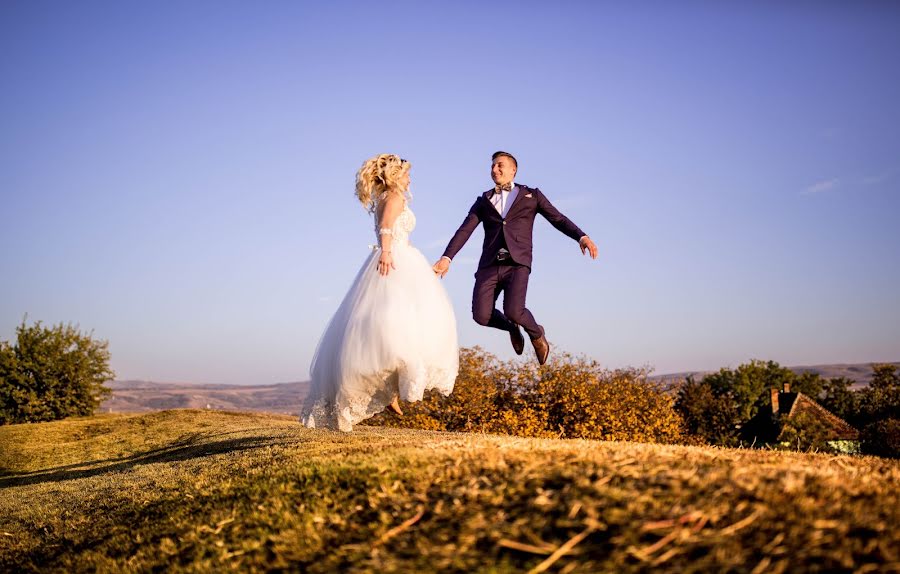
<point x="505" y="154"/>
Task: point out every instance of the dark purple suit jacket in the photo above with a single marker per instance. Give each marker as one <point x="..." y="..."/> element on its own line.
<point x="516" y="229"/>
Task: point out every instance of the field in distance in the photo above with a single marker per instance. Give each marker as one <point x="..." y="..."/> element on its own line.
<point x="146" y="396"/>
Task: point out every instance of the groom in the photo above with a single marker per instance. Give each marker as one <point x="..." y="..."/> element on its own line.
<point x="507" y="212"/>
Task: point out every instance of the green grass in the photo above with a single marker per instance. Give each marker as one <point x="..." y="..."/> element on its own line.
<point x="207" y="491"/>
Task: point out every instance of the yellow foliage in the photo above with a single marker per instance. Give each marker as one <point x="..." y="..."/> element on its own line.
<point x="566" y="398"/>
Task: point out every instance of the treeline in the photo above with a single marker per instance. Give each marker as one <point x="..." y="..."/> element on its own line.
<point x="732" y="407"/>
<point x="50" y="373"/>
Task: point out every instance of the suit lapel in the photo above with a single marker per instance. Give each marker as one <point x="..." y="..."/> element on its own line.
<point x="490" y="206"/>
<point x="522" y="191"/>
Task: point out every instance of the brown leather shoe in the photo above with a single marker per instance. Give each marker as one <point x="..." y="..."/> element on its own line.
<point x="518" y="341"/>
<point x="541" y="349"/>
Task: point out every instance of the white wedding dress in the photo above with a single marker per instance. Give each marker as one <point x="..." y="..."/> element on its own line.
<point x="392" y="335"/>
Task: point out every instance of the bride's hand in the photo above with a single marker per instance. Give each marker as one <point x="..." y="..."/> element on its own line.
<point x="385" y="263"/>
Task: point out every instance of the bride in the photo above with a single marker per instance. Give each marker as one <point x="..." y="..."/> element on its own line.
<point x="394" y="335"/>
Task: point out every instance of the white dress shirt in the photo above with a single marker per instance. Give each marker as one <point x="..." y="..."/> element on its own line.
<point x="504" y="199"/>
<point x="502" y="202"/>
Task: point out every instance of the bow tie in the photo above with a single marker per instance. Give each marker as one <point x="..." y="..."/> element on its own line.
<point x="505" y="187"/>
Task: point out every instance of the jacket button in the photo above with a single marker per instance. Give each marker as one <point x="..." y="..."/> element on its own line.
<point x="504" y="223"/>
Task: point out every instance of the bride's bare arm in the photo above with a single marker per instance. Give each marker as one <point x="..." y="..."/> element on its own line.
<point x="390" y="210"/>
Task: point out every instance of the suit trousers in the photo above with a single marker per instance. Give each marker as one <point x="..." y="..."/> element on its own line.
<point x="512" y="281"/>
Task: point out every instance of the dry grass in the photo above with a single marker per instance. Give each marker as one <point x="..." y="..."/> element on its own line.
<point x="213" y="491"/>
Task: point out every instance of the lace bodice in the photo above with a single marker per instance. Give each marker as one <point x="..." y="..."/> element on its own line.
<point x="403" y="226"/>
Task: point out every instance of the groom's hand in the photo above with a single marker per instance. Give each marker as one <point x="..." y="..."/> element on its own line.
<point x="587" y="245"/>
<point x="442" y="267"/>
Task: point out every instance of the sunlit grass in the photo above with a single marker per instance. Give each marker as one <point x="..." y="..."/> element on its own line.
<point x="212" y="491"/>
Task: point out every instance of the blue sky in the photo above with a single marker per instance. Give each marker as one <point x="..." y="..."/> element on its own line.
<point x="177" y="177"/>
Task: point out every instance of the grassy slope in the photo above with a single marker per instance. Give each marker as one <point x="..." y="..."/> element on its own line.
<point x="209" y="491"/>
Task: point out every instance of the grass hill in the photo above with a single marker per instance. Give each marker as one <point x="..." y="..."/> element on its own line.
<point x="199" y="490"/>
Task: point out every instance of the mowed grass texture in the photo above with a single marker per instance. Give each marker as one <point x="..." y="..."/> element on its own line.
<point x="207" y="491"/>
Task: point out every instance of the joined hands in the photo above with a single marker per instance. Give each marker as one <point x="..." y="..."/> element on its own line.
<point x="442" y="267"/>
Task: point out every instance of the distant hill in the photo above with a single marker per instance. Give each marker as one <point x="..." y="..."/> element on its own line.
<point x="146" y="396"/>
<point x="860" y="373"/>
<point x="286" y="398"/>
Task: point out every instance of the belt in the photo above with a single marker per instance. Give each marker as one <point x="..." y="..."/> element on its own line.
<point x="503" y="257"/>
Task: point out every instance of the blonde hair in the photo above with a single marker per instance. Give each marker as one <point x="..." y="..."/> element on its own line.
<point x="379" y="176"/>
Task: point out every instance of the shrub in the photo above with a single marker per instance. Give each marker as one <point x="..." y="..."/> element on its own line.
<point x="839" y="399"/>
<point x="882" y="438"/>
<point x="707" y="416"/>
<point x="51" y="373"/>
<point x="567" y="398"/>
<point x="805" y="432"/>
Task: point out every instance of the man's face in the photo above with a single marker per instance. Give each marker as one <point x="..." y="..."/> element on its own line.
<point x="503" y="170"/>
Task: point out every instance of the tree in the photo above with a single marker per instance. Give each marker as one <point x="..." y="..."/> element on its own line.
<point x="881" y="399"/>
<point x="882" y="438"/>
<point x="747" y="386"/>
<point x="879" y="409"/>
<point x="52" y="373"/>
<point x="746" y="389"/>
<point x="839" y="399"/>
<point x="733" y="405"/>
<point x="706" y="415"/>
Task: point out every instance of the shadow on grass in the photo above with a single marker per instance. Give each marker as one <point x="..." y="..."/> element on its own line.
<point x="196" y="446"/>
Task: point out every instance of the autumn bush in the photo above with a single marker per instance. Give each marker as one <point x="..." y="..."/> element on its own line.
<point x="570" y="397"/>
